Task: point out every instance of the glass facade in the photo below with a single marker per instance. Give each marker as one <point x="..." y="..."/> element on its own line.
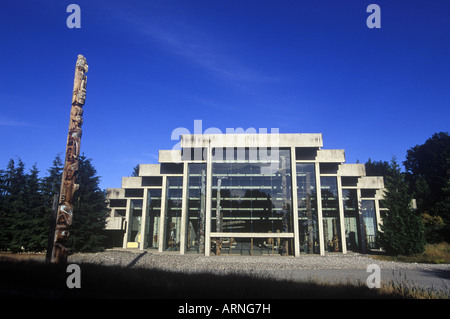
<point x="369" y="225"/>
<point x="134" y="231"/>
<point x="330" y="214"/>
<point x="196" y="208"/>
<point x="172" y="223"/>
<point x="350" y="201"/>
<point x="153" y="217"/>
<point x="307" y="208"/>
<point x="291" y="200"/>
<point x="250" y="195"/>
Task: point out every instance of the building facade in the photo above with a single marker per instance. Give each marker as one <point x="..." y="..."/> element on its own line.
<point x="248" y="194"/>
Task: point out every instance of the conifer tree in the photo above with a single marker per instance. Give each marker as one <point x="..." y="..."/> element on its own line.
<point x="5" y="220"/>
<point x="22" y="209"/>
<point x="26" y="202"/>
<point x="90" y="211"/>
<point x="36" y="219"/>
<point x="402" y="231"/>
<point x="51" y="185"/>
<point x="15" y="205"/>
<point x="428" y="168"/>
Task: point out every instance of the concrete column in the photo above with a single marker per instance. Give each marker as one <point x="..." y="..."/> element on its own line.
<point x="319" y="209"/>
<point x="127" y="223"/>
<point x="341" y="214"/>
<point x="184" y="210"/>
<point x="143" y="243"/>
<point x="162" y="221"/>
<point x="361" y="228"/>
<point x="208" y="201"/>
<point x="377" y="213"/>
<point x="295" y="203"/>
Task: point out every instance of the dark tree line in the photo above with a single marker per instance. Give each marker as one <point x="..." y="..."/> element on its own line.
<point x="26" y="204"/>
<point x="426" y="179"/>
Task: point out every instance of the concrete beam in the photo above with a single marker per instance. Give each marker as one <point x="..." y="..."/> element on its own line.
<point x="352" y="170"/>
<point x="131" y="182"/>
<point x="169" y="156"/>
<point x="251" y="140"/>
<point x="115" y="193"/>
<point x="150" y="170"/>
<point x="374" y="182"/>
<point x="330" y="156"/>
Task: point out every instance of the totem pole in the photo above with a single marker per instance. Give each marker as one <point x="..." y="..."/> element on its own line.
<point x="68" y="186"/>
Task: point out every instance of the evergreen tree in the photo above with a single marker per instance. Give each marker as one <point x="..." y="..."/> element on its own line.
<point x="15" y="205"/>
<point x="428" y="170"/>
<point x="402" y="231"/>
<point x="377" y="168"/>
<point x="51" y="185"/>
<point x="135" y="172"/>
<point x="36" y="219"/>
<point x="90" y="211"/>
<point x="22" y="212"/>
<point x="5" y="220"/>
<point x="26" y="203"/>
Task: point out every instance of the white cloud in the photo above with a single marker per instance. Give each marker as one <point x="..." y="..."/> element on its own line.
<point x="13" y="123"/>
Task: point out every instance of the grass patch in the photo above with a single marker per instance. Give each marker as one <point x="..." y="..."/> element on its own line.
<point x="433" y="254"/>
<point x="34" y="279"/>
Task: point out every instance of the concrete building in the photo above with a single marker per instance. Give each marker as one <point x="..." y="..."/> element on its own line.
<point x="252" y="194"/>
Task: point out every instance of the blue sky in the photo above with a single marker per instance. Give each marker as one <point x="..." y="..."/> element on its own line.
<point x="154" y="66"/>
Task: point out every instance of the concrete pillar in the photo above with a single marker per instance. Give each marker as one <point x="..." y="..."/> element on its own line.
<point x="127" y="223"/>
<point x="377" y="213"/>
<point x="145" y="208"/>
<point x="295" y="203"/>
<point x="341" y="214"/>
<point x="208" y="201"/>
<point x="184" y="211"/>
<point x="162" y="221"/>
<point x="319" y="209"/>
<point x="361" y="228"/>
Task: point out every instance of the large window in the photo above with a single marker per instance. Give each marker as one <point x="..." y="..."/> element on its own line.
<point x="173" y="213"/>
<point x="307" y="208"/>
<point x="153" y="217"/>
<point x="369" y="225"/>
<point x="251" y="193"/>
<point x="330" y="214"/>
<point x="196" y="209"/>
<point x="134" y="230"/>
<point x="350" y="201"/>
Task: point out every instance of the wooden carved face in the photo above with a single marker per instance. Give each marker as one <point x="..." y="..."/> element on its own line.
<point x="81" y="95"/>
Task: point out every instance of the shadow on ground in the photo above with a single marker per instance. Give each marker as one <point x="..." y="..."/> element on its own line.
<point x="34" y="279"/>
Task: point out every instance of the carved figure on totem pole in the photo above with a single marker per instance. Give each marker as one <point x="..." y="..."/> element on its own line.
<point x="68" y="186"/>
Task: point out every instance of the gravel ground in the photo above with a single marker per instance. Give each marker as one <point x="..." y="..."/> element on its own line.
<point x="176" y="262"/>
<point x="331" y="268"/>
